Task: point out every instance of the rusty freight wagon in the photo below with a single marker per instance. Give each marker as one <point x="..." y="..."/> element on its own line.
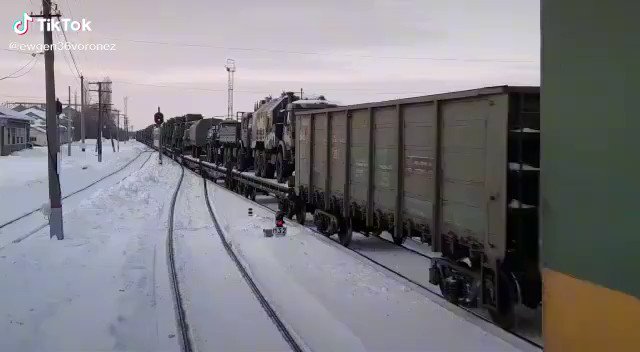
<point x="458" y="170"/>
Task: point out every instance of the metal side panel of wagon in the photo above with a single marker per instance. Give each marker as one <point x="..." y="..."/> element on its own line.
<point x="457" y="170"/>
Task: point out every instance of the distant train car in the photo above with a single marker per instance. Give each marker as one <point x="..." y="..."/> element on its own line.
<point x="178" y="132"/>
<point x="167" y="131"/>
<point x="228" y="142"/>
<point x="198" y="136"/>
<point x="245" y="156"/>
<point x="458" y="170"/>
<point x="187" y="142"/>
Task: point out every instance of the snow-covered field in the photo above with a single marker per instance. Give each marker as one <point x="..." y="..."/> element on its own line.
<point x="27" y="169"/>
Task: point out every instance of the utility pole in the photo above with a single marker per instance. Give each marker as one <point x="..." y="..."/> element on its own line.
<point x="111" y="119"/>
<point x="100" y="91"/>
<point x="118" y="130"/>
<point x="99" y="144"/>
<point x="82" y="92"/>
<point x="69" y="126"/>
<point x="55" y="201"/>
<point x="231" y="69"/>
<point x="126" y="119"/>
<point x="75" y="113"/>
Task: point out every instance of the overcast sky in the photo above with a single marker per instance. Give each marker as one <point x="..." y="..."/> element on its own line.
<point x="352" y="51"/>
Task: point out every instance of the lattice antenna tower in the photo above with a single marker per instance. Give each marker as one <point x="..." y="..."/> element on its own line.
<point x="231" y="69"/>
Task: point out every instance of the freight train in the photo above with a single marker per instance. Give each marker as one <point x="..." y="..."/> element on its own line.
<point x="460" y="171"/>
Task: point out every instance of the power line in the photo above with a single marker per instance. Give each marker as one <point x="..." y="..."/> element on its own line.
<point x="281" y="51"/>
<point x="69" y="8"/>
<point x="64" y="55"/>
<point x="22" y="52"/>
<point x="34" y="60"/>
<point x="266" y="92"/>
<point x="76" y="33"/>
<point x="71" y="53"/>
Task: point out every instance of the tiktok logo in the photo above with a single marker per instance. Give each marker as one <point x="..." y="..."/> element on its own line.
<point x="22" y="27"/>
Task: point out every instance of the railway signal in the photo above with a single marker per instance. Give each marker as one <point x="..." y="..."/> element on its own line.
<point x="158" y="118"/>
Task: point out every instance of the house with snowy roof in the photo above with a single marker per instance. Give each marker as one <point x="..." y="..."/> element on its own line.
<point x="38" y="115"/>
<point x="14" y="131"/>
<point x="39" y="126"/>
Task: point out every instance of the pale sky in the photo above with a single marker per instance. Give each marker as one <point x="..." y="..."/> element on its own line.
<point x="352" y="51"/>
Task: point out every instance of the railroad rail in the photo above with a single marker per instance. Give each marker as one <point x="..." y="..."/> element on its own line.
<point x="32" y="232"/>
<point x="181" y="315"/>
<point x="214" y="172"/>
<point x="76" y="191"/>
<point x="256" y="291"/>
<point x="186" y="345"/>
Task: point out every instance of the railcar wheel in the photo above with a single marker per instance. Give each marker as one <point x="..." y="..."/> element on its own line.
<point x="301" y="215"/>
<point x="346" y="234"/>
<point x="280" y="168"/>
<point x="263" y="164"/>
<point x="449" y="292"/>
<point x="504" y="315"/>
<point x="290" y="210"/>
<point x="242" y="160"/>
<point x="399" y="240"/>
<point x="269" y="169"/>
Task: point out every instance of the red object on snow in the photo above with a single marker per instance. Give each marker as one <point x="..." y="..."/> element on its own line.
<point x="279" y="223"/>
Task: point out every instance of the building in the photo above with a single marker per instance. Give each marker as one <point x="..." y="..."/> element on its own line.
<point x="39" y="116"/>
<point x="14" y="131"/>
<point x="590" y="181"/>
<point x="39" y="124"/>
<point x="38" y="136"/>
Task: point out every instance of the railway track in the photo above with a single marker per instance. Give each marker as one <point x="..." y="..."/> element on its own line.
<point x="79" y="190"/>
<point x="415" y="282"/>
<point x="405" y="277"/>
<point x="395" y="272"/>
<point x="181" y="315"/>
<point x="183" y="326"/>
<point x="284" y="331"/>
<point x="44" y="225"/>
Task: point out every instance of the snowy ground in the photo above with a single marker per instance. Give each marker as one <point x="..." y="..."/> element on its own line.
<point x="26" y="170"/>
<point x="105" y="287"/>
<point x="337" y="302"/>
<point x="415" y="267"/>
<point x="222" y="311"/>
